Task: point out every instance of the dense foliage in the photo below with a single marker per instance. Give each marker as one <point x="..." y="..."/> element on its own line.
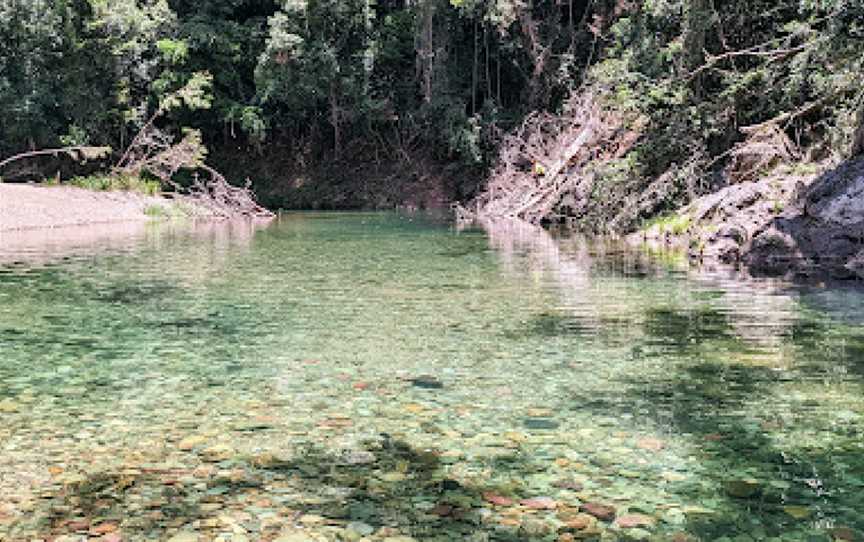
<point x="306" y="84"/>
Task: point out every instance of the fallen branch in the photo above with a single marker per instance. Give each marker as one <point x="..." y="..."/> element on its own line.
<point x="546" y="157"/>
<point x="772" y="55"/>
<point x="80" y="153"/>
<point x="224" y="199"/>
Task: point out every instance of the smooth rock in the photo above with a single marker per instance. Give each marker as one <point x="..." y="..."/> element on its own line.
<point x="497" y="500"/>
<point x="184" y="536"/>
<point x="103" y="528"/>
<point x="631" y="521"/>
<point x="845" y="534"/>
<point x="215" y="454"/>
<point x="362" y="529"/>
<point x="650" y="444"/>
<point x="8" y="406"/>
<point x="295" y="537"/>
<point x="427" y="382"/>
<point x="393" y="477"/>
<point x="797" y="512"/>
<point x="570" y="485"/>
<point x="191" y="442"/>
<point x="539" y="503"/>
<point x="581" y="522"/>
<point x="541" y="423"/>
<point x="600" y="511"/>
<point x="742" y="489"/>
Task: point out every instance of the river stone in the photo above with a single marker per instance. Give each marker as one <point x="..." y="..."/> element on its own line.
<point x="742" y="489"/>
<point x="797" y="512"/>
<point x="295" y="537"/>
<point x="536" y="528"/>
<point x="541" y="423"/>
<point x="8" y="406"/>
<point x="362" y="529"/>
<point x="577" y="522"/>
<point x="215" y="454"/>
<point x="631" y="521"/>
<point x="570" y="485"/>
<point x="845" y="534"/>
<point x="427" y="382"/>
<point x="184" y="536"/>
<point x="358" y="457"/>
<point x="191" y="442"/>
<point x="497" y="500"/>
<point x="600" y="511"/>
<point x="539" y="503"/>
<point x="393" y="477"/>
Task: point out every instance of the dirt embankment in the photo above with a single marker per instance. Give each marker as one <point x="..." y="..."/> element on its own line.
<point x="25" y="207"/>
<point x="786" y="224"/>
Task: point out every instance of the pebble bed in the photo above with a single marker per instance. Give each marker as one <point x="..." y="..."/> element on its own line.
<point x="381" y="378"/>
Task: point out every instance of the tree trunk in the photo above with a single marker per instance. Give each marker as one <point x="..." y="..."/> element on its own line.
<point x="474" y="70"/>
<point x="335" y="120"/>
<point x="425" y="49"/>
<point x="858" y="138"/>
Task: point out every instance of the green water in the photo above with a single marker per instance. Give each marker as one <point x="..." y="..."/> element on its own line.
<point x="371" y="377"/>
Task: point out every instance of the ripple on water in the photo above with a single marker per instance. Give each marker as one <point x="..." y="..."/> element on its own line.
<point x="341" y="376"/>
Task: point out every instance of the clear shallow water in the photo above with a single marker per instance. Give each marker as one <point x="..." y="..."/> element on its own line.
<point x="335" y="376"/>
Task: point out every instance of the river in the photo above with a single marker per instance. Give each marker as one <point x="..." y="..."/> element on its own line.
<point x="383" y="377"/>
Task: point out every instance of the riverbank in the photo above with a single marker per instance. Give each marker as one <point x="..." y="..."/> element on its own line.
<point x="786" y="224"/>
<point x="26" y="207"/>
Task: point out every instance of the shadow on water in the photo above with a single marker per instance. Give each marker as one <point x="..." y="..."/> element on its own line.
<point x="387" y="488"/>
<point x="741" y="381"/>
<point x="818" y="482"/>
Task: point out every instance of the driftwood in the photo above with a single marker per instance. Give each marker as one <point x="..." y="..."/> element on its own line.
<point x="155" y="152"/>
<point x="79" y="153"/>
<point x="545" y="158"/>
<point x="224" y="199"/>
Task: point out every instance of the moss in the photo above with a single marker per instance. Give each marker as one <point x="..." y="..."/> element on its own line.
<point x="674" y="224"/>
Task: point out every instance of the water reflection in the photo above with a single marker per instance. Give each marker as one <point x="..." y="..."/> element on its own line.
<point x="757" y="374"/>
<point x="50" y="245"/>
<point x="340" y="376"/>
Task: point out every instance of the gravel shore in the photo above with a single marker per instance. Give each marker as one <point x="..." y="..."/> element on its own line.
<point x="24" y="207"/>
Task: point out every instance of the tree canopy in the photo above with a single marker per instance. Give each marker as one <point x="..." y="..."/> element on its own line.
<point x="323" y="81"/>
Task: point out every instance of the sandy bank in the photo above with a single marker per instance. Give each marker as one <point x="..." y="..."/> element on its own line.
<point x="24" y="207"/>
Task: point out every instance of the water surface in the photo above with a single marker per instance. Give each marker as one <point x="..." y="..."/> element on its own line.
<point x="339" y="376"/>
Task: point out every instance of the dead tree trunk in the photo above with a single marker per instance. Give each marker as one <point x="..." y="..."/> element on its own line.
<point x="335" y="121"/>
<point x="545" y="158"/>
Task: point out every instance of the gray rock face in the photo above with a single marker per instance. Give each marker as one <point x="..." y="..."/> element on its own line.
<point x="822" y="231"/>
<point x="786" y="224"/>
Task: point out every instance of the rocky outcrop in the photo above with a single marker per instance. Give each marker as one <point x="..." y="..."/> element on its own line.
<point x="822" y="230"/>
<point x="785" y="224"/>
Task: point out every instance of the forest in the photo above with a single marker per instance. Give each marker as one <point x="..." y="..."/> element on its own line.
<point x="344" y="104"/>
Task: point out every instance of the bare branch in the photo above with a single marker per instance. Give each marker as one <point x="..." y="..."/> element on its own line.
<point x="81" y="153"/>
